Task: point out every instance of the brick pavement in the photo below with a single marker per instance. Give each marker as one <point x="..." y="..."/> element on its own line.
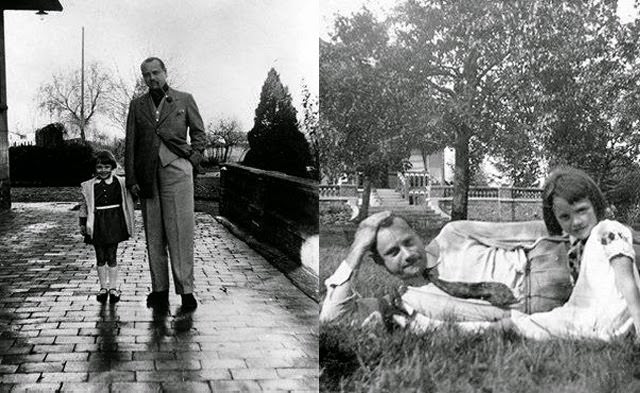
<point x="253" y="330"/>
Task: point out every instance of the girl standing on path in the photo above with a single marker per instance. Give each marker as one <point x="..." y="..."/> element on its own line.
<point x="106" y="218"/>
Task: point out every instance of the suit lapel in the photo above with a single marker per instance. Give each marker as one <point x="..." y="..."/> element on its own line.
<point x="147" y="108"/>
<point x="168" y="107"/>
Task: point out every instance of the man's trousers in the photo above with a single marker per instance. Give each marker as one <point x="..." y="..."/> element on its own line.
<point x="169" y="222"/>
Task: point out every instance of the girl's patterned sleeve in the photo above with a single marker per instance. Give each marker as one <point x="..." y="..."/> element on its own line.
<point x="616" y="240"/>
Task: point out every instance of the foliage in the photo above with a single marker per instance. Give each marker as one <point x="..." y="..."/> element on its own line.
<point x="65" y="165"/>
<point x="367" y="106"/>
<point x="61" y="96"/>
<point x="335" y="215"/>
<point x="121" y="94"/>
<point x="114" y="145"/>
<point x="51" y="135"/>
<point x="310" y="127"/>
<point x="583" y="101"/>
<point x="223" y="135"/>
<point x="275" y="141"/>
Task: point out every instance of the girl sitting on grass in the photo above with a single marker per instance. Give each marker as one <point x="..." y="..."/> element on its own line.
<point x="106" y="218"/>
<point x="605" y="301"/>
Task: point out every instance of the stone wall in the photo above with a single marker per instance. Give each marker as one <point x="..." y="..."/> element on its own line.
<point x="499" y="209"/>
<point x="279" y="209"/>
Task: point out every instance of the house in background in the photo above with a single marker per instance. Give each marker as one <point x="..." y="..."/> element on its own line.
<point x="438" y="166"/>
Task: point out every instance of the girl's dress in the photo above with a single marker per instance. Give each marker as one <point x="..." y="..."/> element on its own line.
<point x="596" y="308"/>
<point x="110" y="226"/>
<point x="107" y="226"/>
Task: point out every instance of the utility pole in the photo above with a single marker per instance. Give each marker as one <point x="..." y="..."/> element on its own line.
<point x="82" y="135"/>
<point x="32" y="5"/>
<point x="5" y="187"/>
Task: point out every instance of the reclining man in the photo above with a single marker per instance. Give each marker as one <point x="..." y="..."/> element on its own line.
<point x="473" y="271"/>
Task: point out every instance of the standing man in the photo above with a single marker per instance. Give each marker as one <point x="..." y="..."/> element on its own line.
<point x="159" y="166"/>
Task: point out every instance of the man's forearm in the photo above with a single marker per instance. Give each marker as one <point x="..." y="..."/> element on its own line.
<point x="340" y="297"/>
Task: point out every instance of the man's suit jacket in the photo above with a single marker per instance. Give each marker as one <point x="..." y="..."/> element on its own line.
<point x="179" y="113"/>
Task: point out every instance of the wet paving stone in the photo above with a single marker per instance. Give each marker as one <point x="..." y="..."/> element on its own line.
<point x="253" y="330"/>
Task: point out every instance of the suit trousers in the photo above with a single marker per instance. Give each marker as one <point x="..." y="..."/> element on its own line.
<point x="169" y="223"/>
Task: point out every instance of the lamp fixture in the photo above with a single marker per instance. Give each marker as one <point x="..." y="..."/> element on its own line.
<point x="41" y="14"/>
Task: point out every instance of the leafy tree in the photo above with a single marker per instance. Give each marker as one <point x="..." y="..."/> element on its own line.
<point x="61" y="96"/>
<point x="463" y="54"/>
<point x="525" y="82"/>
<point x="310" y="125"/>
<point x="366" y="105"/>
<point x="225" y="134"/>
<point x="586" y="87"/>
<point x="275" y="141"/>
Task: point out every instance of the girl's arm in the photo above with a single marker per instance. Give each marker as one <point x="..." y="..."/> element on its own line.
<point x="623" y="269"/>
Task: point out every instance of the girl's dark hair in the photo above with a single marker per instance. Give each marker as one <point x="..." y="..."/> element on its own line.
<point x="105" y="157"/>
<point x="573" y="185"/>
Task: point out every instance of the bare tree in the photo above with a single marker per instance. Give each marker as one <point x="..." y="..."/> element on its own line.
<point x="121" y="94"/>
<point x="225" y="133"/>
<point x="127" y="87"/>
<point x="61" y="96"/>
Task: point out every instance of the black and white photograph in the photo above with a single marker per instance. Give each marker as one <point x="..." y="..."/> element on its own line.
<point x="479" y="206"/>
<point x="159" y="173"/>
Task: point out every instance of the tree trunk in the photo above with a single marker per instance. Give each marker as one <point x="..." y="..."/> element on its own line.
<point x="461" y="175"/>
<point x="226" y="154"/>
<point x="366" y="195"/>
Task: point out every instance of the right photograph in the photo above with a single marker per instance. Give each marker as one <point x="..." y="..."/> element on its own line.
<point x="479" y="196"/>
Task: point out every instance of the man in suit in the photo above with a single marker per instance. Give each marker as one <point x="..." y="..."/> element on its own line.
<point x="159" y="166"/>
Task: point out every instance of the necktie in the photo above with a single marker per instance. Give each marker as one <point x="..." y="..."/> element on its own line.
<point x="574" y="256"/>
<point x="496" y="293"/>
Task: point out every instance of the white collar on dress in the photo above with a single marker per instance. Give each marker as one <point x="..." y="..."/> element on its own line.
<point x="108" y="180"/>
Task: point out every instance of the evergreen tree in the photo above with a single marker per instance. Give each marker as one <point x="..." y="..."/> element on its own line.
<point x="275" y="142"/>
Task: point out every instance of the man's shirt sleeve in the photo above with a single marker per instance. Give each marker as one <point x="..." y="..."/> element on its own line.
<point x="340" y="297"/>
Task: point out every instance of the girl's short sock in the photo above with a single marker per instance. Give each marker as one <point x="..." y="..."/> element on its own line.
<point x="113" y="277"/>
<point x="102" y="276"/>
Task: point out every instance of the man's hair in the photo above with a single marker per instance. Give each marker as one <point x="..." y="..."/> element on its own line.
<point x="150" y="59"/>
<point x="105" y="157"/>
<point x="572" y="185"/>
<point x="386" y="223"/>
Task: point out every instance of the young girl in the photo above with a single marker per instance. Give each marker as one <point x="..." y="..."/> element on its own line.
<point x="605" y="301"/>
<point x="106" y="218"/>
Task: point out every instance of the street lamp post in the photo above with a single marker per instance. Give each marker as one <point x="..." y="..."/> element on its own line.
<point x="27" y="5"/>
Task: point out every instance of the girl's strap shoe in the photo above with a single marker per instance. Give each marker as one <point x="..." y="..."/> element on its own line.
<point x="114" y="295"/>
<point x="102" y="295"/>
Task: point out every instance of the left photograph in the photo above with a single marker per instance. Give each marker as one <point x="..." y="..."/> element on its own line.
<point x="159" y="172"/>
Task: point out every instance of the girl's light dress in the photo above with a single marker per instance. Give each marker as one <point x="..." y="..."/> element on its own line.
<point x="596" y="308"/>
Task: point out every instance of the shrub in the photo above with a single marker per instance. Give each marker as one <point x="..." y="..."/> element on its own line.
<point x="65" y="165"/>
<point x="335" y="214"/>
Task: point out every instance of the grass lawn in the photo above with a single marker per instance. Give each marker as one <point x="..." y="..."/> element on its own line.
<point x="354" y="359"/>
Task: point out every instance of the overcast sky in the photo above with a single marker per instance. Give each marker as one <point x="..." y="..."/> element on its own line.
<point x="223" y="49"/>
<point x="330" y="8"/>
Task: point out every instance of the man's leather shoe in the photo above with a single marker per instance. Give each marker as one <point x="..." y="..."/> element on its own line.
<point x="189" y="302"/>
<point x="158" y="299"/>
